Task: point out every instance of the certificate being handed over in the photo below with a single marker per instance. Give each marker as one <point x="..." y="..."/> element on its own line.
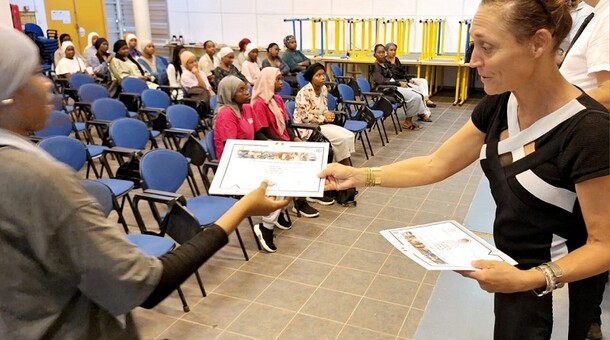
<point x="290" y="167"/>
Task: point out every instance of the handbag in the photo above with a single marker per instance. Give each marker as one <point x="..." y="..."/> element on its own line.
<point x="199" y="93"/>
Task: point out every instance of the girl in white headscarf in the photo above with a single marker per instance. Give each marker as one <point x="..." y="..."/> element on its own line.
<point x="226" y="67"/>
<point x="132" y="42"/>
<point x="153" y="63"/>
<point x="249" y="67"/>
<point x="70" y="63"/>
<point x="90" y="51"/>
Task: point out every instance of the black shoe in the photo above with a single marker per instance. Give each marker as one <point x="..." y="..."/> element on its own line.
<point x="282" y="223"/>
<point x="595" y="332"/>
<point x="305" y="209"/>
<point x="265" y="237"/>
<point x="324" y="200"/>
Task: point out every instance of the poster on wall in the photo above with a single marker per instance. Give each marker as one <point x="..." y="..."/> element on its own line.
<point x="60" y="15"/>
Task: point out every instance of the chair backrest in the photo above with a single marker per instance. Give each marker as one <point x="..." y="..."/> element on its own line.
<point x="290" y="107"/>
<point x="346" y="92"/>
<point x="286" y="89"/>
<point x="133" y="85"/>
<point x="109" y="109"/>
<point x="155" y="99"/>
<point x="101" y="193"/>
<point x="79" y="79"/>
<point x="182" y="117"/>
<point x="301" y="80"/>
<point x="337" y="72"/>
<point x="210" y="148"/>
<point x="33" y="29"/>
<point x="129" y="133"/>
<point x="180" y="224"/>
<point x="332" y="102"/>
<point x="69" y="151"/>
<point x="364" y="84"/>
<point x="163" y="169"/>
<point x="91" y="92"/>
<point x="58" y="102"/>
<point x="213" y="102"/>
<point x="58" y="124"/>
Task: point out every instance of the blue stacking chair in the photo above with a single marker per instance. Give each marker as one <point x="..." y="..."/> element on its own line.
<point x="72" y="152"/>
<point x="286" y="92"/>
<point x="131" y="93"/>
<point x="379" y="102"/>
<point x="60" y="124"/>
<point x="301" y="81"/>
<point x="353" y="108"/>
<point x="338" y="75"/>
<point x="183" y="121"/>
<point x="163" y="172"/>
<point x="213" y="102"/>
<point x="355" y="126"/>
<point x="150" y="245"/>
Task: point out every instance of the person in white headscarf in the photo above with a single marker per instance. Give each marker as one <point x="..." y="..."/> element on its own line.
<point x="71" y="63"/>
<point x="132" y="42"/>
<point x="250" y="68"/>
<point x="71" y="273"/>
<point x="153" y="63"/>
<point x="90" y="51"/>
<point x="226" y="67"/>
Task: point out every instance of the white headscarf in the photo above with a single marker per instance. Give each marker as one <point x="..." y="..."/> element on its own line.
<point x="90" y="38"/>
<point x="249" y="49"/>
<point x="224" y="51"/>
<point x="16" y="63"/>
<point x="143" y="43"/>
<point x="65" y="45"/>
<point x="129" y="37"/>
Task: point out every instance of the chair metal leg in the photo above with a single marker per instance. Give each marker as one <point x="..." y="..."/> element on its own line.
<point x="380" y="135"/>
<point x="253" y="233"/>
<point x="385" y="133"/>
<point x="200" y="283"/>
<point x="369" y="142"/>
<point x="241" y="243"/>
<point x="359" y="136"/>
<point x="185" y="306"/>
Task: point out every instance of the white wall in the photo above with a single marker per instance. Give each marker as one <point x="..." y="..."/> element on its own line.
<point x="228" y="21"/>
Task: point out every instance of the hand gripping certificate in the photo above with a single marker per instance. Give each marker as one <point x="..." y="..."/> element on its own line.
<point x="290" y="167"/>
<point x="445" y="245"/>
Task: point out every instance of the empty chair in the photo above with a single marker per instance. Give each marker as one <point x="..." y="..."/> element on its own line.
<point x="301" y="80"/>
<point x="72" y="152"/>
<point x="183" y="121"/>
<point x="353" y="107"/>
<point x="379" y="104"/>
<point x="151" y="245"/>
<point x="59" y="124"/>
<point x="166" y="170"/>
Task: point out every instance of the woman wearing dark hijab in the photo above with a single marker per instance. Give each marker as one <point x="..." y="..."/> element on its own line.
<point x="123" y="65"/>
<point x="100" y="61"/>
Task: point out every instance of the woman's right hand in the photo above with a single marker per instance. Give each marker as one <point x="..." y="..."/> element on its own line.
<point x="257" y="203"/>
<point x="341" y="177"/>
<point x="329" y="117"/>
<point x="195" y="69"/>
<point x="403" y="84"/>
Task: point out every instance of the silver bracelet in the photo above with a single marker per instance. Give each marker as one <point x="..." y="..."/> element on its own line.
<point x="551" y="272"/>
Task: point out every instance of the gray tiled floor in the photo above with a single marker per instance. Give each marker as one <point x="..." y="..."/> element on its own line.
<point x="333" y="277"/>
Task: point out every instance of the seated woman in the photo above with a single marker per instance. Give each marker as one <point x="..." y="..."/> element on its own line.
<point x="174" y="70"/>
<point x="399" y="73"/>
<point x="209" y="61"/>
<point x="294" y="58"/>
<point x="241" y="55"/>
<point x="271" y="122"/>
<point x="250" y="68"/>
<point x="59" y="53"/>
<point x="90" y="50"/>
<point x="154" y="64"/>
<point x="273" y="60"/>
<point x="100" y="61"/>
<point x="226" y="67"/>
<point x="192" y="76"/>
<point x="132" y="42"/>
<point x="71" y="63"/>
<point x="124" y="65"/>
<point x="312" y="107"/>
<point x="235" y="120"/>
<point x="415" y="101"/>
